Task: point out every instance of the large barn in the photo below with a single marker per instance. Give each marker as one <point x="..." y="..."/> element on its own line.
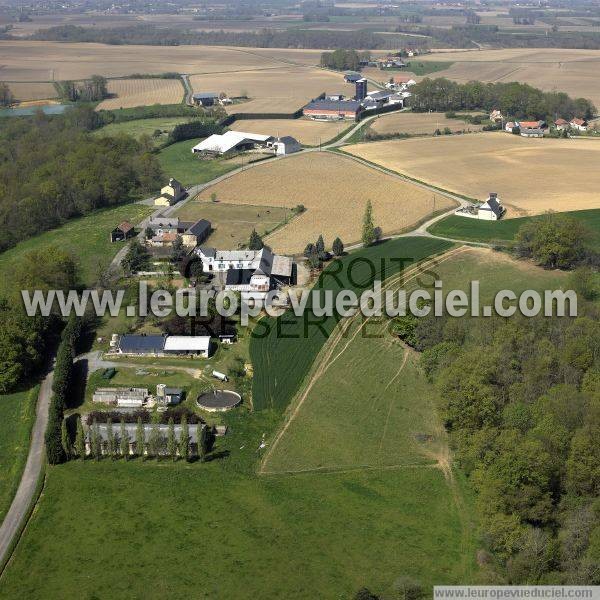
<point x="231" y="141"/>
<point x="332" y="110"/>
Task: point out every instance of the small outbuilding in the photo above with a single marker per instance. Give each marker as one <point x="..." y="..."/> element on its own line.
<point x="286" y="145"/>
<point x="123" y="231"/>
<point x="198" y="345"/>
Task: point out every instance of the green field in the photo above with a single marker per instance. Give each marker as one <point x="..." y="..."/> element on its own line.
<point x="283" y="350"/>
<point x="178" y="161"/>
<point x="141" y="127"/>
<point x="86" y="238"/>
<point x="17" y="413"/>
<point x="474" y="230"/>
<point x="427" y="67"/>
<point x="158" y="530"/>
<point x="232" y="224"/>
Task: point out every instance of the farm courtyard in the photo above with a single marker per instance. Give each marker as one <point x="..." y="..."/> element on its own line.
<point x="531" y="176"/>
<point x="334" y="190"/>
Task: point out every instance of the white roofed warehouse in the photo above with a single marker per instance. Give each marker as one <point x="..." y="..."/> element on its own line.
<point x="188" y="344"/>
<point x="232" y="141"/>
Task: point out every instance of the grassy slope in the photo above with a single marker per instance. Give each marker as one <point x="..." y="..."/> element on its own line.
<point x="427" y="67"/>
<point x="178" y="161"/>
<point x="461" y="228"/>
<point x="17" y="413"/>
<point x="87" y="238"/>
<point x="283" y="350"/>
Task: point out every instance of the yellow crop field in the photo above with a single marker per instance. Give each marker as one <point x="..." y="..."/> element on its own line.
<point x="334" y="190"/>
<point x="53" y="61"/>
<point x="24" y="92"/>
<point x="129" y="93"/>
<point x="571" y="71"/>
<point x="418" y="123"/>
<point x="306" y="131"/>
<point x="280" y="90"/>
<point x="531" y="176"/>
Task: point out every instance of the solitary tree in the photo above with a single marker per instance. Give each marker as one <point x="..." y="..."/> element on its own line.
<point x="137" y="258"/>
<point x="255" y="242"/>
<point x="213" y="197"/>
<point x="148" y="233"/>
<point x="95" y="439"/>
<point x="124" y="441"/>
<point x="320" y="245"/>
<point x="368" y="229"/>
<point x="6" y="97"/>
<point x="203" y="441"/>
<point x="338" y="247"/>
<point x="184" y="440"/>
<point x="139" y="438"/>
<point x="64" y="438"/>
<point x="80" y="440"/>
<point x="178" y="250"/>
<point x="154" y="441"/>
<point x="309" y="250"/>
<point x="110" y="439"/>
<point x="171" y="445"/>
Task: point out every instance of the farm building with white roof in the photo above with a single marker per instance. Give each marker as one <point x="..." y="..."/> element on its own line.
<point x="231" y="141"/>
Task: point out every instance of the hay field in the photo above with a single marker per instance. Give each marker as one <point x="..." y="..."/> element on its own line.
<point x="531" y="176"/>
<point x="282" y="90"/>
<point x="24" y="92"/>
<point x="418" y="123"/>
<point x="142" y="92"/>
<point x="571" y="71"/>
<point x="334" y="190"/>
<point x="232" y="224"/>
<point x="306" y="131"/>
<point x="50" y="61"/>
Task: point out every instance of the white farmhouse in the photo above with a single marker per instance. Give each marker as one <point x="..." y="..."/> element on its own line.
<point x="247" y="270"/>
<point x="490" y="210"/>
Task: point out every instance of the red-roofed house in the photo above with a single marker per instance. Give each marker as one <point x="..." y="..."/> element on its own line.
<point x="579" y="124"/>
<point x="561" y="124"/>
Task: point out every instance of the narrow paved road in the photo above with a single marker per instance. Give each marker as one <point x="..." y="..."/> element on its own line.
<point x="17" y="512"/>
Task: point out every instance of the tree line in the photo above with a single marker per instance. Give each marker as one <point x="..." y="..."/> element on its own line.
<point x="52" y="169"/>
<point x="88" y="90"/>
<point x="514" y="100"/>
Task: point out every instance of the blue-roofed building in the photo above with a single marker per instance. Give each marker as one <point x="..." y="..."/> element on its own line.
<point x="205" y="98"/>
<point x="352" y="76"/>
<point x="142" y="344"/>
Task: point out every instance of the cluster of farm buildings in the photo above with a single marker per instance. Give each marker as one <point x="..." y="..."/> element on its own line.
<point x="337" y="106"/>
<point x="537" y="128"/>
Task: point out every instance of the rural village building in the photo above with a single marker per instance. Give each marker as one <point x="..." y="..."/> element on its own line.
<point x="579" y="124"/>
<point x="248" y="270"/>
<point x="232" y="141"/>
<point x="122" y="397"/>
<point x="352" y="76"/>
<point x="286" y="145"/>
<point x="166" y="230"/>
<point x="205" y="98"/>
<point x="172" y="193"/>
<point x="162" y="430"/>
<point x="496" y="116"/>
<point x="532" y="132"/>
<point x="490" y="210"/>
<point x="123" y="231"/>
<point x="561" y="124"/>
<point x="332" y="110"/>
<point x="161" y="345"/>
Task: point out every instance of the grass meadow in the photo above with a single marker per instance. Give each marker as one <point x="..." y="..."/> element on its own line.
<point x="139" y="127"/>
<point x="282" y="350"/>
<point x="217" y="530"/>
<point x="473" y="230"/>
<point x="86" y="238"/>
<point x="17" y="414"/>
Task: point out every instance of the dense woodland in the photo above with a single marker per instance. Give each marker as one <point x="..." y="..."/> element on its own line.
<point x="515" y="100"/>
<point x="52" y="169"/>
<point x="520" y="398"/>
